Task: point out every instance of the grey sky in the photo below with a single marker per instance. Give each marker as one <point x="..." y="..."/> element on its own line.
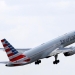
<point x="28" y="23"/>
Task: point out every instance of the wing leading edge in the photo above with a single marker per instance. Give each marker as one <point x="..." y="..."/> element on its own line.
<point x="62" y="50"/>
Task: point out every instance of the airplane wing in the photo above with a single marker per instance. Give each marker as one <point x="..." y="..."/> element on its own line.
<point x="23" y="50"/>
<point x="11" y="64"/>
<point x="19" y="49"/>
<point x="66" y="51"/>
<point x="62" y="50"/>
<point x="4" y="62"/>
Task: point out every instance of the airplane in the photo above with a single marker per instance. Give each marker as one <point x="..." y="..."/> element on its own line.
<point x="45" y="50"/>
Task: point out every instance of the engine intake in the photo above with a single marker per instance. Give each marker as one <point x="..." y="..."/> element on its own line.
<point x="69" y="53"/>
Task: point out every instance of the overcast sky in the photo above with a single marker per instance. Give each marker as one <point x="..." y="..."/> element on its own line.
<point x="29" y="23"/>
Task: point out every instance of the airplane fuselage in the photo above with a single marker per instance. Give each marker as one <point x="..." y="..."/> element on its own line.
<point x="46" y="49"/>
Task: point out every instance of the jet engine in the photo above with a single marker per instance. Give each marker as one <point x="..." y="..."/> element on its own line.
<point x="69" y="53"/>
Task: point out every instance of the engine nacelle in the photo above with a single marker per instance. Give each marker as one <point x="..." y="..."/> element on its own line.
<point x="69" y="53"/>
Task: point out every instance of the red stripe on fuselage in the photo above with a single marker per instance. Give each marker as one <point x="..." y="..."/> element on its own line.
<point x="27" y="60"/>
<point x="17" y="58"/>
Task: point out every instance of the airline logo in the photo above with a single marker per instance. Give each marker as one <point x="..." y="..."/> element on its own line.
<point x="12" y="53"/>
